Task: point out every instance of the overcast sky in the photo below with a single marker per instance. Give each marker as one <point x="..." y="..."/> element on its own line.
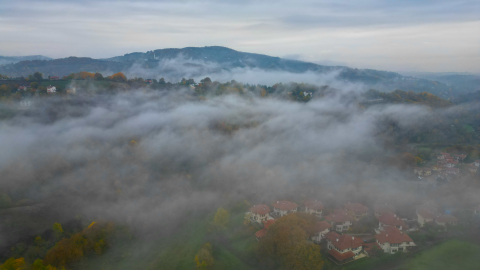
<point x="432" y="35"/>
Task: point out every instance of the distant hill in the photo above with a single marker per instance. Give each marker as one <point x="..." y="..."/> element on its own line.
<point x="207" y="61"/>
<point x="4" y="60"/>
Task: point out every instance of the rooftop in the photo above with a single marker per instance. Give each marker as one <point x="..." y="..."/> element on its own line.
<point x="392" y="235"/>
<point x="260" y="209"/>
<point x="285" y="205"/>
<point x="344" y="241"/>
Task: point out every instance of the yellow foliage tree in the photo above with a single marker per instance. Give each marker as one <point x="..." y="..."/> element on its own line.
<point x="14" y="264"/>
<point x="118" y="77"/>
<point x="221" y="218"/>
<point x="204" y="258"/>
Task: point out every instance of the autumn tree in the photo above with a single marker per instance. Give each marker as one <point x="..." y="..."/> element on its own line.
<point x="286" y="245"/>
<point x="221" y="218"/>
<point x="14" y="264"/>
<point x="57" y="230"/>
<point x="204" y="258"/>
<point x="118" y="77"/>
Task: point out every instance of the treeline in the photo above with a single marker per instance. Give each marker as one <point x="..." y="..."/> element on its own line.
<point x="410" y="97"/>
<point x="58" y="249"/>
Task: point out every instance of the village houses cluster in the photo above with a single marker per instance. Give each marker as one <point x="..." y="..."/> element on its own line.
<point x="333" y="230"/>
<point x="447" y="166"/>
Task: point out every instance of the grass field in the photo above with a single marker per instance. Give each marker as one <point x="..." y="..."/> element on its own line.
<point x="178" y="251"/>
<point x="453" y="254"/>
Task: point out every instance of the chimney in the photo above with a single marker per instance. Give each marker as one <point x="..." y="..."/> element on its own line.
<point x="337" y="239"/>
<point x="353" y="237"/>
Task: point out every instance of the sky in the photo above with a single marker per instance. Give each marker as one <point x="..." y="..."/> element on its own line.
<point x="433" y="36"/>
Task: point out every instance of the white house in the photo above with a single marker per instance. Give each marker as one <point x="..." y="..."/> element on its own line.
<point x="282" y="208"/>
<point x="321" y="230"/>
<point x="390" y="220"/>
<point x="444" y="220"/>
<point x="314" y="207"/>
<point x="343" y="248"/>
<point x="51" y="89"/>
<point x="259" y="213"/>
<point x="477" y="163"/>
<point x="340" y="220"/>
<point x="358" y="210"/>
<point x="392" y="240"/>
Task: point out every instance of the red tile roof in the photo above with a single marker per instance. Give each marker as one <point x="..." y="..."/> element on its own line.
<point x="322" y="226"/>
<point x="392" y="235"/>
<point x="445" y="154"/>
<point x="339" y="256"/>
<point x="268" y="223"/>
<point x="425" y="213"/>
<point x="446" y="218"/>
<point x="261" y="233"/>
<point x="314" y="205"/>
<point x="392" y="220"/>
<point x="260" y="209"/>
<point x="344" y="241"/>
<point x="356" y="207"/>
<point x="384" y="208"/>
<point x="285" y="205"/>
<point x="369" y="246"/>
<point x="339" y="216"/>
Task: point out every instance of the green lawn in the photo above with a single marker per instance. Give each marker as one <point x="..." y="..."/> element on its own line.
<point x="453" y="254"/>
<point x="178" y="251"/>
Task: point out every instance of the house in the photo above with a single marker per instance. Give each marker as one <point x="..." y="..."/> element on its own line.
<point x="381" y="209"/>
<point x="71" y="91"/>
<point x="314" y="208"/>
<point x="444" y="220"/>
<point x="425" y="215"/>
<point x="54" y="78"/>
<point x="356" y="209"/>
<point x="438" y="167"/>
<point x="343" y="248"/>
<point x="427" y="171"/>
<point x="282" y="208"/>
<point x="321" y="229"/>
<point x="259" y="213"/>
<point x="443" y="155"/>
<point x="148" y="81"/>
<point x="460" y="157"/>
<point x="51" y="89"/>
<point x="477" y="163"/>
<point x="392" y="240"/>
<point x="22" y="88"/>
<point x="471" y="168"/>
<point x="453" y="171"/>
<point x="389" y="219"/>
<point x="418" y="171"/>
<point x="476" y="210"/>
<point x="261" y="233"/>
<point x="339" y="220"/>
<point x="451" y="163"/>
<point x="268" y="223"/>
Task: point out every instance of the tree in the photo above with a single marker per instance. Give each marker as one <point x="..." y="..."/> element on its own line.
<point x="42" y="90"/>
<point x="118" y="77"/>
<point x="98" y="76"/>
<point x="221" y="218"/>
<point x="34" y="85"/>
<point x="204" y="258"/>
<point x="37" y="76"/>
<point x="58" y="230"/>
<point x="4" y="91"/>
<point x="206" y="80"/>
<point x="286" y="245"/>
<point x="14" y="264"/>
<point x="5" y="200"/>
<point x="161" y="81"/>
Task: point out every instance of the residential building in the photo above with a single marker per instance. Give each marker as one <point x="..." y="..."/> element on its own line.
<point x="259" y="213"/>
<point x="314" y="207"/>
<point x="427" y="171"/>
<point x="51" y="89"/>
<point x="340" y="220"/>
<point x="453" y="171"/>
<point x="451" y="163"/>
<point x="444" y="220"/>
<point x="418" y="171"/>
<point x="321" y="229"/>
<point x="392" y="240"/>
<point x="477" y="163"/>
<point x="381" y="209"/>
<point x="261" y="233"/>
<point x="343" y="248"/>
<point x="268" y="223"/>
<point x="425" y="215"/>
<point x="390" y="219"/>
<point x="282" y="208"/>
<point x="460" y="157"/>
<point x="71" y="91"/>
<point x="54" y="78"/>
<point x="22" y="88"/>
<point x="358" y="210"/>
<point x="471" y="168"/>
